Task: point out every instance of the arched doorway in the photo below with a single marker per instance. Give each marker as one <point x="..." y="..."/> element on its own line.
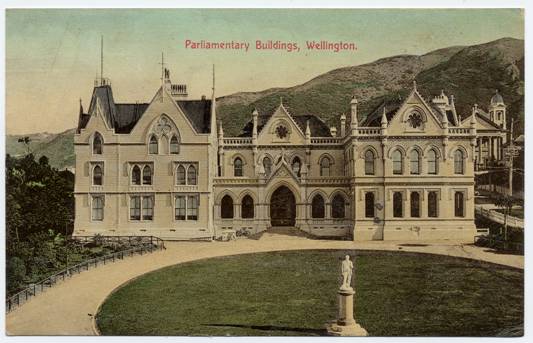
<point x="282" y="207"/>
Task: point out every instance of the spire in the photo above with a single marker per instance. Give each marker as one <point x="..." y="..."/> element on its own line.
<point x="307" y="130"/>
<point x="255" y="114"/>
<point x="81" y="108"/>
<point x="473" y="119"/>
<point x="213" y="104"/>
<point x="343" y="125"/>
<point x="220" y="129"/>
<point x="102" y="60"/>
<point x="414" y="85"/>
<point x="163" y="69"/>
<point x="384" y="121"/>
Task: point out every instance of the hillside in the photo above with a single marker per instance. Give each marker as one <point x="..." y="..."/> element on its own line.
<point x="58" y="147"/>
<point x="471" y="73"/>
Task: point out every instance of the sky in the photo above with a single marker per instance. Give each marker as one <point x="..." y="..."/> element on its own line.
<point x="53" y="56"/>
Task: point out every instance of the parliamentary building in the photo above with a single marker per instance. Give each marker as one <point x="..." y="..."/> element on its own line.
<point x="405" y="171"/>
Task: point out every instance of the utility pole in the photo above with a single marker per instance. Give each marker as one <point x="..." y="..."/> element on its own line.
<point x="511" y="158"/>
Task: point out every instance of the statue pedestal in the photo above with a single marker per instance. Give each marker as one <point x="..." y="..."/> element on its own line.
<point x="345" y="324"/>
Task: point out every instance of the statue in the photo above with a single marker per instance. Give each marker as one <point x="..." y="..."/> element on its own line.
<point x="346" y="272"/>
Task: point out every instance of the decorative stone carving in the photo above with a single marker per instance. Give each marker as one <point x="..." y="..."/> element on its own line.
<point x="415" y="120"/>
<point x="346" y="272"/>
<point x="163" y="126"/>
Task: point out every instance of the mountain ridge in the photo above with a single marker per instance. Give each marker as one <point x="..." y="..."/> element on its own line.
<point x="471" y="73"/>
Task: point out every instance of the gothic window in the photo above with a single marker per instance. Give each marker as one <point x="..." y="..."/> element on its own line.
<point x="180" y="175"/>
<point x="180" y="208"/>
<point x="397" y="205"/>
<point x="415" y="205"/>
<point x="153" y="147"/>
<point x="369" y="162"/>
<point x="459" y="204"/>
<point x="338" y="209"/>
<point x="136" y="175"/>
<point x="174" y="145"/>
<point x="148" y="208"/>
<point x="98" y="207"/>
<point x="267" y="164"/>
<point x="369" y="205"/>
<point x="296" y="166"/>
<point x="432" y="162"/>
<point x="415" y="120"/>
<point x="97" y="144"/>
<point x="237" y="167"/>
<point x="226" y="207"/>
<point x="147" y="175"/>
<point x="97" y="176"/>
<point x="317" y="207"/>
<point x="191" y="175"/>
<point x="432" y="205"/>
<point x="325" y="164"/>
<point x="414" y="158"/>
<point x="192" y="207"/>
<point x="397" y="161"/>
<point x="135" y="208"/>
<point x="458" y="162"/>
<point x="247" y="207"/>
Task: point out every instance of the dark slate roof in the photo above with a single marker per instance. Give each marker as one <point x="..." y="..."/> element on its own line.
<point x="449" y="114"/>
<point x="198" y="112"/>
<point x="374" y="118"/>
<point x="127" y="115"/>
<point x="123" y="117"/>
<point x="316" y="125"/>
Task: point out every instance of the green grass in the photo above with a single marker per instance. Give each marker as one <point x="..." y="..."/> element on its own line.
<point x="294" y="293"/>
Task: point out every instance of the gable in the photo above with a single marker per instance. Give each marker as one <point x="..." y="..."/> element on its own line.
<point x="281" y="128"/>
<point x="415" y="117"/>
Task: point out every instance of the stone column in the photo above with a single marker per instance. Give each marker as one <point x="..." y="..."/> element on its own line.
<point x="345" y="325"/>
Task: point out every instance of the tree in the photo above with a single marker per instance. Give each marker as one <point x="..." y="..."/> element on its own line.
<point x="506" y="202"/>
<point x="26" y="141"/>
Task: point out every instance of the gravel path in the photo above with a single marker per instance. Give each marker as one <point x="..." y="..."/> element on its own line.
<point x="69" y="307"/>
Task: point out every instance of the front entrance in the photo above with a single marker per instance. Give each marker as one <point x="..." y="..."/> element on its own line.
<point x="282" y="207"/>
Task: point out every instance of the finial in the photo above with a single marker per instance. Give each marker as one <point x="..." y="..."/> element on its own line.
<point x="384" y="116"/>
<point x="452" y="98"/>
<point x="354" y="100"/>
<point x="281" y="101"/>
<point x="414" y="84"/>
<point x="254" y="112"/>
<point x="442" y="92"/>
<point x="102" y="60"/>
<point x="213" y="78"/>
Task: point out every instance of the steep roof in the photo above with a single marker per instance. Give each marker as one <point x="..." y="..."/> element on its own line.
<point x="374" y="118"/>
<point x="123" y="117"/>
<point x="198" y="112"/>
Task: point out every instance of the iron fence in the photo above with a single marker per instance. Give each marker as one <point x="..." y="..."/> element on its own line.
<point x="141" y="245"/>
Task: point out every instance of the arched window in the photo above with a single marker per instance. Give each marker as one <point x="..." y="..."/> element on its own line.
<point x="325" y="166"/>
<point x="432" y="205"/>
<point x="136" y="175"/>
<point x="247" y="207"/>
<point x="147" y="175"/>
<point x="397" y="205"/>
<point x="458" y="162"/>
<point x="237" y="167"/>
<point x="296" y="166"/>
<point x="191" y="175"/>
<point x="267" y="164"/>
<point x="97" y="144"/>
<point x="397" y="162"/>
<point x="226" y="207"/>
<point x="459" y="204"/>
<point x="432" y="162"/>
<point x="338" y="207"/>
<point x="414" y="157"/>
<point x="415" y="204"/>
<point x="317" y="207"/>
<point x="174" y="145"/>
<point x="97" y="176"/>
<point x="153" y="147"/>
<point x="369" y="205"/>
<point x="369" y="162"/>
<point x="180" y="175"/>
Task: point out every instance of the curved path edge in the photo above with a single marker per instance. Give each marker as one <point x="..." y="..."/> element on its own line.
<point x="70" y="308"/>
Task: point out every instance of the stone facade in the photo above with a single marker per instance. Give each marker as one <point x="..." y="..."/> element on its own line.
<point x="404" y="172"/>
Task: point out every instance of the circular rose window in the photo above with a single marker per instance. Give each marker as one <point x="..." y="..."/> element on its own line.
<point x="281" y="131"/>
<point x="415" y="120"/>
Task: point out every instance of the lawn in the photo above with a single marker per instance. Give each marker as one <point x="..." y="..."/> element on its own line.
<point x="294" y="293"/>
